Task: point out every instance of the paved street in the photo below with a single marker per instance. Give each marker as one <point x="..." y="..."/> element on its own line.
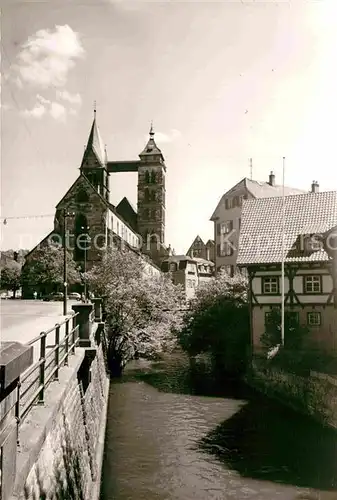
<point x="22" y="320"/>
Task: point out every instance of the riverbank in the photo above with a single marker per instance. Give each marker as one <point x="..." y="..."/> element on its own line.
<point x="170" y="436"/>
<point x="314" y="395"/>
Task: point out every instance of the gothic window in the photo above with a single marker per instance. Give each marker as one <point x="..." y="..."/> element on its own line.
<point x="147" y="177"/>
<point x="146" y="213"/>
<point x="153" y="177"/>
<point x="146" y="195"/>
<point x="82" y="196"/>
<point x="153" y="196"/>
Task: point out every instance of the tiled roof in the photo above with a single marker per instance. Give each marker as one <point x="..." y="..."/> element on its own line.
<point x="265" y="190"/>
<point x="258" y="189"/>
<point x="261" y="227"/>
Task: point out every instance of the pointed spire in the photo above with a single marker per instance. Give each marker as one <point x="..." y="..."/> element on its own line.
<point x="151" y="147"/>
<point x="95" y="143"/>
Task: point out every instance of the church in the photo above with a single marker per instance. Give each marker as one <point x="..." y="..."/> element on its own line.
<point x="89" y="222"/>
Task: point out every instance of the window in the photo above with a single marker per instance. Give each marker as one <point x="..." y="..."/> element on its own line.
<point x="227" y="249"/>
<point x="314" y="318"/>
<point x="147" y="177"/>
<point x="291" y="319"/>
<point x="240" y="223"/>
<point x="146" y="195"/>
<point x="153" y="177"/>
<point x="312" y="284"/>
<point x="228" y="203"/>
<point x="227" y="227"/>
<point x="227" y="269"/>
<point x="117" y="227"/>
<point x="270" y="285"/>
<point x="236" y="201"/>
<point x="268" y="316"/>
<point x="112" y="223"/>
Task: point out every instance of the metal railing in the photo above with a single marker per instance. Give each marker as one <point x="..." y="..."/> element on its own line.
<point x="51" y="357"/>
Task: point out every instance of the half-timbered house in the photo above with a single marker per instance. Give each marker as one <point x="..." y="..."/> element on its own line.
<point x="308" y="266"/>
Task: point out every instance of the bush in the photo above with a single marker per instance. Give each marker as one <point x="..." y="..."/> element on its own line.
<point x="217" y="323"/>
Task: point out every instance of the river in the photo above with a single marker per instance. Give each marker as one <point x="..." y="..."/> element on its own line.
<point x="171" y="437"/>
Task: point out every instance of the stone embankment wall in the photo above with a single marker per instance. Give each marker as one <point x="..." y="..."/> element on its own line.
<point x="64" y="460"/>
<point x="314" y="395"/>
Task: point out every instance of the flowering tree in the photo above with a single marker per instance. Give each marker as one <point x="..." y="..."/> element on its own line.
<point x="143" y="311"/>
<point x="44" y="270"/>
<point x="217" y="323"/>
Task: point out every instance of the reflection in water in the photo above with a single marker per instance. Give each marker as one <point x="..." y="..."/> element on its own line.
<point x="164" y="443"/>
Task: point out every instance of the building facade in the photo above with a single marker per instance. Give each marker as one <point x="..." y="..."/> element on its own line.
<point x="188" y="272"/>
<point x="227" y="217"/>
<point x="201" y="250"/>
<point x="309" y="291"/>
<point x="91" y="223"/>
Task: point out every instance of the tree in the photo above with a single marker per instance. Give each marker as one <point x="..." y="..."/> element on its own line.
<point x="43" y="270"/>
<point x="10" y="277"/>
<point x="143" y="311"/>
<point x="217" y="323"/>
<point x="294" y="333"/>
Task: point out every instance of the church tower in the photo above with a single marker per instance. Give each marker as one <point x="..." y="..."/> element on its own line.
<point x="94" y="163"/>
<point x="151" y="197"/>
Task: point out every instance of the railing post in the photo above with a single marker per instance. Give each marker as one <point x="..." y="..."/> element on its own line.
<point x="17" y="412"/>
<point x="67" y="342"/>
<point x="74" y="324"/>
<point x="42" y="366"/>
<point x="84" y="323"/>
<point x="97" y="308"/>
<point x="57" y="350"/>
<point x="15" y="359"/>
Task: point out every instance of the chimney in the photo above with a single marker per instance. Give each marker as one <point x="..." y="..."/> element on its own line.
<point x="314" y="187"/>
<point x="272" y="178"/>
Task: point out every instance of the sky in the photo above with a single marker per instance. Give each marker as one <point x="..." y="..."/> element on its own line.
<point x="222" y="81"/>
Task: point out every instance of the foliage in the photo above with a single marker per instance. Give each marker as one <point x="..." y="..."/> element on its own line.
<point x="142" y="310"/>
<point x="10" y="277"/>
<point x="44" y="269"/>
<point x="294" y="333"/>
<point x="217" y="322"/>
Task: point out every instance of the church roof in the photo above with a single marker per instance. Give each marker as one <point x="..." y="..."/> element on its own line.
<point x="95" y="143"/>
<point x="127" y="212"/>
<point x="151" y="147"/>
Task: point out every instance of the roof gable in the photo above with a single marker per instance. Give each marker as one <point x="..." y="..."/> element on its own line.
<point x="241" y="183"/>
<point x="261" y="227"/>
<point x="82" y="179"/>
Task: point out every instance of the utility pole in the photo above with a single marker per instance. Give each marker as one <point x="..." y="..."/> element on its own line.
<point x="282" y="262"/>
